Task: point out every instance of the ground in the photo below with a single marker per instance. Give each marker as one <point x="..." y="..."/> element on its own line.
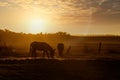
<point x="56" y="69"/>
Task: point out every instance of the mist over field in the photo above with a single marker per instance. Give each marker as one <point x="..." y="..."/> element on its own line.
<point x="80" y="45"/>
<point x="92" y="57"/>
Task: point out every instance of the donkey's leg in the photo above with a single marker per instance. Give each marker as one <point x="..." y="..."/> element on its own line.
<point x="32" y="54"/>
<point x="47" y="54"/>
<point x="35" y="55"/>
<point x="43" y="55"/>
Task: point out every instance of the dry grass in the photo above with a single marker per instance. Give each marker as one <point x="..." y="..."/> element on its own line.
<point x="54" y="69"/>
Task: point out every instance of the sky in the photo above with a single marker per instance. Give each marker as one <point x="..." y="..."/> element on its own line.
<point x="72" y="16"/>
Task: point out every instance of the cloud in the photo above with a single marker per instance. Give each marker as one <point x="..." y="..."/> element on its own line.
<point x="2" y="4"/>
<point x="71" y="10"/>
<point x="77" y="11"/>
<point x="108" y="11"/>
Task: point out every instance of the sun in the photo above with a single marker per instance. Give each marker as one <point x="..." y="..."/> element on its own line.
<point x="36" y="26"/>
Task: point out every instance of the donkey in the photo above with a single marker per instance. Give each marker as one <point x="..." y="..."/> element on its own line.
<point x="60" y="48"/>
<point x="41" y="46"/>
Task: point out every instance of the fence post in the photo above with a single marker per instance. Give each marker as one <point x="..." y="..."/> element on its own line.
<point x="99" y="48"/>
<point x="68" y="50"/>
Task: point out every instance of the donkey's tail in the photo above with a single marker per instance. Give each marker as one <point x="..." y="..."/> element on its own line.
<point x="30" y="51"/>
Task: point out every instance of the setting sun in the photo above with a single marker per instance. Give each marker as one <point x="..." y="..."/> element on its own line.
<point x="36" y="25"/>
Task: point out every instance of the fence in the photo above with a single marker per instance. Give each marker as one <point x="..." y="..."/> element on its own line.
<point x="95" y="48"/>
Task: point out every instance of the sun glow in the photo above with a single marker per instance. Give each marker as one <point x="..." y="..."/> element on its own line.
<point x="37" y="26"/>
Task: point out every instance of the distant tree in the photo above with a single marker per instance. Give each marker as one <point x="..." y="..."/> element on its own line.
<point x="6" y="30"/>
<point x="62" y="34"/>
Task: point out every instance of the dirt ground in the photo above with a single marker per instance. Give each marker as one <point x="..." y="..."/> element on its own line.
<point x="54" y="69"/>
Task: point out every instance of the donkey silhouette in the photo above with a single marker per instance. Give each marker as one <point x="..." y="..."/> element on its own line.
<point x="41" y="46"/>
<point x="60" y="48"/>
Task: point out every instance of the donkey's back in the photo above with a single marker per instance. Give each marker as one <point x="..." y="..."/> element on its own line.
<point x="40" y="45"/>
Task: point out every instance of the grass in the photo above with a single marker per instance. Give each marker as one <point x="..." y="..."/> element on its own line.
<point x="54" y="69"/>
<point x="82" y="63"/>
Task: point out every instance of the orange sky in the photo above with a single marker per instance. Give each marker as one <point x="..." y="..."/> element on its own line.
<point x="72" y="16"/>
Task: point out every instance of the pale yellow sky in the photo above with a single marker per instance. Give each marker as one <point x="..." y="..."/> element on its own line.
<point x="72" y="16"/>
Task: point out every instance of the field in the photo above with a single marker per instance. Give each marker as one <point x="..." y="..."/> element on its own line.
<point x="57" y="69"/>
<point x="85" y="57"/>
<point x="82" y="62"/>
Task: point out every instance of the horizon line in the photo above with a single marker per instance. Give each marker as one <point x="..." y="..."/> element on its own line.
<point x="77" y="34"/>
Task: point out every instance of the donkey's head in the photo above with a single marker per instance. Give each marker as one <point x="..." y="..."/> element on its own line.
<point x="52" y="53"/>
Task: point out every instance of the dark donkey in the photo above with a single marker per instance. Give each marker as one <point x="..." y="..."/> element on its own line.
<point x="60" y="48"/>
<point x="41" y="46"/>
